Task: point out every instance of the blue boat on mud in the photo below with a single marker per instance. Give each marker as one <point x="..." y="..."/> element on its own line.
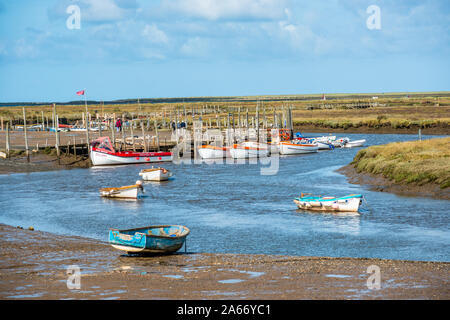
<point x="152" y="239"/>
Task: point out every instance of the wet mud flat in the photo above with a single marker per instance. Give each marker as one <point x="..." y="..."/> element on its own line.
<point x="40" y="161"/>
<point x="33" y="265"/>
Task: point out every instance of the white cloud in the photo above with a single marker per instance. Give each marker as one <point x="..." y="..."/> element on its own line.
<point x="227" y="9"/>
<point x="96" y="10"/>
<point x="195" y="47"/>
<point x="154" y="35"/>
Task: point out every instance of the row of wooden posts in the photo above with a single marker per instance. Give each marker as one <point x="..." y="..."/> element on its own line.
<point x="283" y="121"/>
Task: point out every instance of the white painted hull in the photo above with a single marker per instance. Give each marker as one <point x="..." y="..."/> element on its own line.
<point x="131" y="193"/>
<point x="156" y="175"/>
<point x="136" y="250"/>
<point x="322" y="145"/>
<point x="356" y="143"/>
<point x="291" y="148"/>
<point x="325" y="139"/>
<point x="351" y="205"/>
<point x="104" y="159"/>
<point x="249" y="150"/>
<point x="212" y="153"/>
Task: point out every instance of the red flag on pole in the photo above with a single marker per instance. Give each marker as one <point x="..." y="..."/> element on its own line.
<point x="80" y="93"/>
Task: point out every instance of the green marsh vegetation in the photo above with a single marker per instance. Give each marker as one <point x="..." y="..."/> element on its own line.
<point x="417" y="162"/>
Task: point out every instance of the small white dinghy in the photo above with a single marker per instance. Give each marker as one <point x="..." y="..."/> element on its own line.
<point x="126" y="192"/>
<point x="290" y="147"/>
<point x="155" y="174"/>
<point x="249" y="149"/>
<point x="348" y="203"/>
<point x="212" y="152"/>
<point x="356" y="143"/>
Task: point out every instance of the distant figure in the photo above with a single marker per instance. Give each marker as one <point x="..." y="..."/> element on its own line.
<point x="173" y="126"/>
<point x="118" y="124"/>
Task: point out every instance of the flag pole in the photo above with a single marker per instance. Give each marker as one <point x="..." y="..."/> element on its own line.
<point x="87" y="123"/>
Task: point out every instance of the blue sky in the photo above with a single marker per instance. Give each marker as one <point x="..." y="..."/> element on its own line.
<point x="185" y="48"/>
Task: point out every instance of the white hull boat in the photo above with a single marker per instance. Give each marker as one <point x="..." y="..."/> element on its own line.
<point x="356" y="143"/>
<point x="155" y="174"/>
<point x="103" y="153"/>
<point x="296" y="148"/>
<point x="212" y="152"/>
<point x="126" y="192"/>
<point x="339" y="143"/>
<point x="324" y="145"/>
<point x="348" y="203"/>
<point x="249" y="149"/>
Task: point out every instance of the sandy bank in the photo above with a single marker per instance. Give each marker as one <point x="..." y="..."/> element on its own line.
<point x="33" y="266"/>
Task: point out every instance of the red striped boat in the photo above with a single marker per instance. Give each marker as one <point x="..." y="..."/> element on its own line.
<point x="103" y="153"/>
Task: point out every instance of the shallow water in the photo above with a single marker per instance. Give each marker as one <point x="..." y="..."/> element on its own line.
<point x="232" y="208"/>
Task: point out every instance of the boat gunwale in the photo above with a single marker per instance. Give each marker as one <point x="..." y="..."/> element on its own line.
<point x="132" y="154"/>
<point x="309" y="145"/>
<point x="155" y="227"/>
<point x="317" y="198"/>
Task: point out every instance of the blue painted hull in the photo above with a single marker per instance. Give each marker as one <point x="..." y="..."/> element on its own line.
<point x="152" y="239"/>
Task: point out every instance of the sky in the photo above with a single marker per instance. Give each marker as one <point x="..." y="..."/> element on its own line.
<point x="126" y="49"/>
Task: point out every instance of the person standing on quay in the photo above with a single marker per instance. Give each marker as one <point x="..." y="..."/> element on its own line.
<point x="118" y="124"/>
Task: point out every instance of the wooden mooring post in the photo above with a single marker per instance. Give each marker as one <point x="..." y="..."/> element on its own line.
<point x="144" y="140"/>
<point x="157" y="135"/>
<point x="57" y="144"/>
<point x="25" y="134"/>
<point x="8" y="141"/>
<point x="74" y="147"/>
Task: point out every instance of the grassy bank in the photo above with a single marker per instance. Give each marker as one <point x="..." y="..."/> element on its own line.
<point x="414" y="162"/>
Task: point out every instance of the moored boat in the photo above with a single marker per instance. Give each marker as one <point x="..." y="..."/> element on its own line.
<point x="212" y="152"/>
<point x="125" y="192"/>
<point x="152" y="239"/>
<point x="155" y="174"/>
<point x="355" y="143"/>
<point x="249" y="149"/>
<point x="103" y="153"/>
<point x="296" y="148"/>
<point x="348" y="203"/>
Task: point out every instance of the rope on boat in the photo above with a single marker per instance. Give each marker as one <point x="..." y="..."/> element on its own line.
<point x="367" y="203"/>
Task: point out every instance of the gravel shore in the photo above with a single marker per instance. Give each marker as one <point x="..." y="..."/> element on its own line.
<point x="34" y="264"/>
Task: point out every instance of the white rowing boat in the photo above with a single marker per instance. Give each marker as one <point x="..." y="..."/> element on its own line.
<point x="126" y="192"/>
<point x="286" y="147"/>
<point x="348" y="203"/>
<point x="212" y="152"/>
<point x="249" y="149"/>
<point x="155" y="174"/>
<point x="356" y="143"/>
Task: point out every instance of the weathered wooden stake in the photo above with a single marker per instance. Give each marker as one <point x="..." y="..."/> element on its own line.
<point x="58" y="152"/>
<point x="132" y="136"/>
<point x="8" y="146"/>
<point x="157" y="135"/>
<point x="43" y="120"/>
<point x="25" y="134"/>
<point x="75" y="147"/>
<point x="113" y="134"/>
<point x="143" y="138"/>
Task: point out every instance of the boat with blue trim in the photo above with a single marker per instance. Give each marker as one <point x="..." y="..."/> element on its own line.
<point x="152" y="239"/>
<point x="349" y="203"/>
